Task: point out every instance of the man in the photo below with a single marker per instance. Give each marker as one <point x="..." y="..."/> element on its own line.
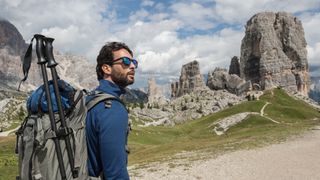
<point x="106" y="128"/>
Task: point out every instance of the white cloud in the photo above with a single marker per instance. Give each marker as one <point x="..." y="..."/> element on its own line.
<point x="314" y="54"/>
<point x="218" y="49"/>
<point x="147" y="3"/>
<point x="143" y="32"/>
<point x="152" y="30"/>
<point x="194" y="15"/>
<point x="311" y="22"/>
<point x="75" y="24"/>
<point x="139" y="15"/>
<point x="231" y="11"/>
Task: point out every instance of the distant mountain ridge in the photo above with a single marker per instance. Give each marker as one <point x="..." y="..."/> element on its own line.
<point x="76" y="70"/>
<point x="11" y="38"/>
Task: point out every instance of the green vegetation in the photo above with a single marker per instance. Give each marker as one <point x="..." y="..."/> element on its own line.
<point x="160" y="143"/>
<point x="8" y="160"/>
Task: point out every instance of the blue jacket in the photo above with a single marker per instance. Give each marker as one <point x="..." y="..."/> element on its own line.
<point x="106" y="130"/>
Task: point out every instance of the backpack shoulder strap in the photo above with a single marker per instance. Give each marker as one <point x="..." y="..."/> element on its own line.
<point x="99" y="97"/>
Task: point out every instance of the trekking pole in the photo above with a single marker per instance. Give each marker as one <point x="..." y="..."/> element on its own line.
<point x="42" y="61"/>
<point x="63" y="131"/>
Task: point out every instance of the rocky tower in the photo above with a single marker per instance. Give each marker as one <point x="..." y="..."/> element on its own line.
<point x="234" y="67"/>
<point x="273" y="52"/>
<point x="190" y="80"/>
<point x="153" y="90"/>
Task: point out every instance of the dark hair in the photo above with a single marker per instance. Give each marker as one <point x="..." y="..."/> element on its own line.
<point x="106" y="55"/>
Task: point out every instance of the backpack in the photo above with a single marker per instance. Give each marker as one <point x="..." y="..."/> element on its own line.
<point x="35" y="146"/>
<point x="51" y="141"/>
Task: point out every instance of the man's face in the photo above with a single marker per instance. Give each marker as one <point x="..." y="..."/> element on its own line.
<point x="121" y="74"/>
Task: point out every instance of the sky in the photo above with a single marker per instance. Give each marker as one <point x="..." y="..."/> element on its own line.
<point x="163" y="34"/>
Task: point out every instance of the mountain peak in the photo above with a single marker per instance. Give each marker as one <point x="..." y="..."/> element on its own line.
<point x="11" y="38"/>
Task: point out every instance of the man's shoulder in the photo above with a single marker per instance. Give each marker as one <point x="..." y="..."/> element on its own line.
<point x="108" y="106"/>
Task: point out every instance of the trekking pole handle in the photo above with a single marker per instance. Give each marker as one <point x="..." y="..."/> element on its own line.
<point x="39" y="48"/>
<point x="49" y="53"/>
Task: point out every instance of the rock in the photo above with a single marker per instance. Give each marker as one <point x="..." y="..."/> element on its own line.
<point x="10" y="69"/>
<point x="11" y="39"/>
<point x="244" y="87"/>
<point x="190" y="80"/>
<point x="220" y="79"/>
<point x="155" y="93"/>
<point x="187" y="107"/>
<point x="234" y="67"/>
<point x="74" y="69"/>
<point x="135" y="96"/>
<point x="12" y="107"/>
<point x="222" y="125"/>
<point x="273" y="52"/>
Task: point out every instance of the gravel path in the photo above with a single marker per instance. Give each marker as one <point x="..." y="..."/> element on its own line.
<point x="295" y="159"/>
<point x="6" y="133"/>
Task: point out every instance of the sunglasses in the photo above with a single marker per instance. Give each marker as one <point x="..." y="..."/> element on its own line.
<point x="127" y="61"/>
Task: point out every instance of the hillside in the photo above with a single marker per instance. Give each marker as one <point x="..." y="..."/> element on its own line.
<point x="294" y="116"/>
<point x="150" y="144"/>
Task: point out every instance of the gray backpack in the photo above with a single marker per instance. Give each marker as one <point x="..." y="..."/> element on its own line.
<point x="36" y="149"/>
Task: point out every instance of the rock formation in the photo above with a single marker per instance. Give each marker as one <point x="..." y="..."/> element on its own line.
<point x="11" y="39"/>
<point x="155" y="93"/>
<point x="234" y="67"/>
<point x="134" y="96"/>
<point x="187" y="107"/>
<point x="273" y="52"/>
<point x="190" y="80"/>
<point x="220" y="79"/>
<point x="74" y="69"/>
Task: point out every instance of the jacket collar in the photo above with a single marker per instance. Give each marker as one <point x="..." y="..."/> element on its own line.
<point x="110" y="88"/>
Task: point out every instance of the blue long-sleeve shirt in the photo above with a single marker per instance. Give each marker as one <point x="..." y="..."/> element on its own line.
<point x="106" y="130"/>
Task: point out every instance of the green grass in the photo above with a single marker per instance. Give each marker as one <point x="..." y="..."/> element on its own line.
<point x="8" y="160"/>
<point x="158" y="143"/>
<point x="151" y="144"/>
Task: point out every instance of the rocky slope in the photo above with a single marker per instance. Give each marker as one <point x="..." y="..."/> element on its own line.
<point x="187" y="107"/>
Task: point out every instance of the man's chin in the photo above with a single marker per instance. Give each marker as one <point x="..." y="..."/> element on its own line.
<point x="130" y="79"/>
<point x="129" y="82"/>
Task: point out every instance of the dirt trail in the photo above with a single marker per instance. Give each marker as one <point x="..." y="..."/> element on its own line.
<point x="6" y="133"/>
<point x="295" y="159"/>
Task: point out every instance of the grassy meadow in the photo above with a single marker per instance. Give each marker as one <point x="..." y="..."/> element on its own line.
<point x="158" y="143"/>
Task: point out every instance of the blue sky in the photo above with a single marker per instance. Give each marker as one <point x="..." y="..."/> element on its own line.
<point x="163" y="34"/>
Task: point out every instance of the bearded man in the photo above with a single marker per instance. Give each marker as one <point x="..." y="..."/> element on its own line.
<point x="107" y="127"/>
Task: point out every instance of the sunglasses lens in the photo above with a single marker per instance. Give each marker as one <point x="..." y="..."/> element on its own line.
<point x="135" y="62"/>
<point x="126" y="61"/>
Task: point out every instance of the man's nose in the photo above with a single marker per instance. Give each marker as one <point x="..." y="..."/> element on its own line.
<point x="132" y="66"/>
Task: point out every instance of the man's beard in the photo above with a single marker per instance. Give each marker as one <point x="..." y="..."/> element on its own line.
<point x="121" y="79"/>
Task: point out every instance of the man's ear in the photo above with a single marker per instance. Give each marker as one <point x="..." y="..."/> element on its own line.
<point x="106" y="69"/>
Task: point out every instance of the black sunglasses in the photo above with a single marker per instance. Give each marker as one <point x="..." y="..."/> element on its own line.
<point x="127" y="61"/>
